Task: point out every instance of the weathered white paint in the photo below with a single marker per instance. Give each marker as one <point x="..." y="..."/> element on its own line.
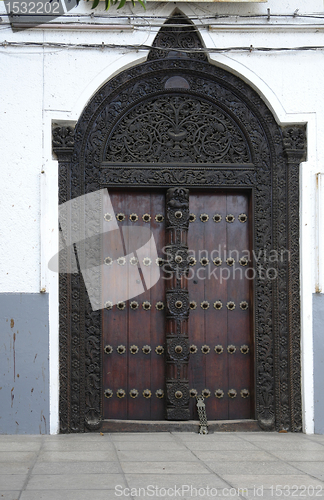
<point x="44" y="85"/>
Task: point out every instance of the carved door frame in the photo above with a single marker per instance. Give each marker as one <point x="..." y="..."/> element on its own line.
<point x="271" y="174"/>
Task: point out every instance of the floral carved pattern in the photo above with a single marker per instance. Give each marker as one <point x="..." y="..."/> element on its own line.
<point x="177" y="129"/>
<point x="258" y="156"/>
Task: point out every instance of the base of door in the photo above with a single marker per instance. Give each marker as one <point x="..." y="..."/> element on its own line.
<point x="187" y="426"/>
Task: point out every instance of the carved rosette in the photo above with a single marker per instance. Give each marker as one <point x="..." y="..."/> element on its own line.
<point x="177" y="304"/>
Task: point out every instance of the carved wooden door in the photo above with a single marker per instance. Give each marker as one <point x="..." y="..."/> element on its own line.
<point x="177" y="311"/>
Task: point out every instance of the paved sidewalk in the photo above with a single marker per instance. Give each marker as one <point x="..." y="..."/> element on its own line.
<point x="112" y="466"/>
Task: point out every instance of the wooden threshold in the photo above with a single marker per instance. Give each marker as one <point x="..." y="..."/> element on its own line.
<point x="186" y="426"/>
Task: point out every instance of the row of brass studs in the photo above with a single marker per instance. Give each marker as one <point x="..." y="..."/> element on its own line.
<point x="217" y="218"/>
<point x="218" y="305"/>
<point x="133" y="217"/>
<point x="219" y="393"/>
<point x="146" y="305"/>
<point x="219" y="349"/>
<point x="204" y="261"/>
<point x="134" y="393"/>
<point x="121" y="261"/>
<point x="121" y="349"/>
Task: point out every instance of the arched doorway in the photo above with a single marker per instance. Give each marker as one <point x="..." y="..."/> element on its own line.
<point x="177" y="133"/>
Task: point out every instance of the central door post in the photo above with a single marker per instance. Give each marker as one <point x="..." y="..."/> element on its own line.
<point x="177" y="304"/>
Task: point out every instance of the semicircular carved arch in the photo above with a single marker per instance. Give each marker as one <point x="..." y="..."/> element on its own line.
<point x="209" y="129"/>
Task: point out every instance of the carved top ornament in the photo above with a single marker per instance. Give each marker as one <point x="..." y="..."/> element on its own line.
<point x="184" y="36"/>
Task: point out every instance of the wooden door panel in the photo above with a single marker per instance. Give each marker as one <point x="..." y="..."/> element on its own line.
<point x="220" y="371"/>
<point x="134" y="328"/>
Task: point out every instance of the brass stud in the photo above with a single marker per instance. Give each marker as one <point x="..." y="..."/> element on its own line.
<point x="242" y="218"/>
<point x="108" y="349"/>
<point x="218" y="305"/>
<point x="206" y="393"/>
<point x="133" y="261"/>
<point x="108" y="393"/>
<point x="108" y="261"/>
<point x="204" y="261"/>
<point x="231" y="349"/>
<point x="121" y="305"/>
<point x="244" y="305"/>
<point x="133" y="349"/>
<point x="159" y="261"/>
<point x="178" y="259"/>
<point x="146" y="349"/>
<point x="178" y="394"/>
<point x="204" y="305"/>
<point x="120" y="217"/>
<point x="230" y="261"/>
<point x="219" y="349"/>
<point x="178" y="304"/>
<point x="193" y="393"/>
<point x="159" y="306"/>
<point x="230" y="218"/>
<point x="204" y="217"/>
<point x="133" y="217"/>
<point x="146" y="305"/>
<point x="178" y="349"/>
<point x="245" y="393"/>
<point x="243" y="261"/>
<point x="121" y="393"/>
<point x="121" y="349"/>
<point x="192" y="305"/>
<point x="121" y="261"/>
<point x="159" y="218"/>
<point x="217" y="261"/>
<point x="219" y="393"/>
<point x="133" y="393"/>
<point x="159" y="393"/>
<point x="244" y="349"/>
<point x="192" y="217"/>
<point x="230" y="305"/>
<point x="178" y="214"/>
<point x="108" y="217"/>
<point x="192" y="261"/>
<point x="193" y="349"/>
<point x="147" y="393"/>
<point x="108" y="305"/>
<point x="232" y="393"/>
<point x="147" y="261"/>
<point x="159" y="350"/>
<point x="146" y="217"/>
<point x="205" y="349"/>
<point x="217" y="218"/>
<point x="133" y="305"/>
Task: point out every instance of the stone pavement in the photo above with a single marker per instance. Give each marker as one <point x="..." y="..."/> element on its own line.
<point x="161" y="465"/>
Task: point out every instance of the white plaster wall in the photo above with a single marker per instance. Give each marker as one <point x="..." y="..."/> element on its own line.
<point x="41" y="85"/>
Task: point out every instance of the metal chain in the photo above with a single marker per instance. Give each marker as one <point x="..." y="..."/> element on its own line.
<point x="201" y="407"/>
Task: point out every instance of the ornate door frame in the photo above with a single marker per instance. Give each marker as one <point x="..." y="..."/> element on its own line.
<point x="271" y="173"/>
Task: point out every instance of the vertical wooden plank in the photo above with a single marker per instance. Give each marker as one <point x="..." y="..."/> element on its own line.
<point x="216" y="319"/>
<point x="196" y="287"/>
<point x="239" y="325"/>
<point x="157" y="295"/>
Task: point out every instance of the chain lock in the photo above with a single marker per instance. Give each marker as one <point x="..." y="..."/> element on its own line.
<point x="201" y="408"/>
